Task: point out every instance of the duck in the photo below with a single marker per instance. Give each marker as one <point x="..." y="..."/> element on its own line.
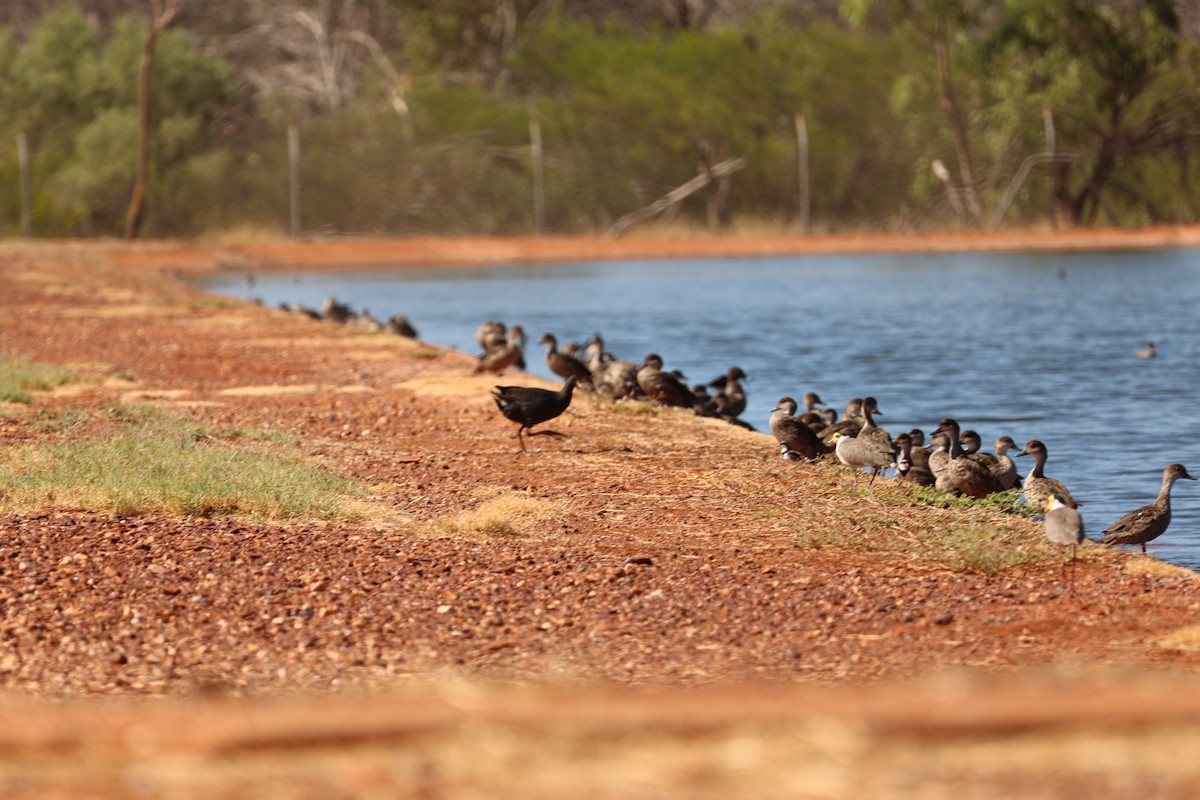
<point x="1003" y="467"/>
<point x="615" y="377"/>
<point x="1150" y="521"/>
<point x="530" y="405"/>
<point x="509" y="354"/>
<point x="1148" y="351"/>
<point x="1063" y="525"/>
<point x="734" y="403"/>
<point x="793" y="434"/>
<point x="907" y="469"/>
<point x="489" y="335"/>
<point x="812" y="416"/>
<point x="665" y="388"/>
<point x="562" y="364"/>
<point x="1036" y="486"/>
<point x="961" y="475"/>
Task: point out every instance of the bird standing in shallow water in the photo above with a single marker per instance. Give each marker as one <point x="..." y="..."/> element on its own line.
<point x="529" y="406"/>
<point x="1150" y="521"/>
<point x="1064" y="526"/>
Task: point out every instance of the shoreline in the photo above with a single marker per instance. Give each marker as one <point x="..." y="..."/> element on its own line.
<point x="199" y="258"/>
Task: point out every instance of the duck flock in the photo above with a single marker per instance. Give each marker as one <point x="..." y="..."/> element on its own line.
<point x="951" y="462"/>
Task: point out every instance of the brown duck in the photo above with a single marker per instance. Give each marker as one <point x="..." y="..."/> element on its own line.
<point x="1150" y="521"/>
<point x="509" y="354"/>
<point x="564" y="365"/>
<point x="663" y="387"/>
<point x="1037" y="487"/>
<point x="962" y="475"/>
<point x="792" y="433"/>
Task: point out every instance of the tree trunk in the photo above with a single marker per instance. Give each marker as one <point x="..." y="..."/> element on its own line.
<point x="958" y="126"/>
<point x="159" y="20"/>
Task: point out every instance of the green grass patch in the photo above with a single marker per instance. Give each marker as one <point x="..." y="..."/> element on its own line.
<point x="144" y="462"/>
<point x="20" y="378"/>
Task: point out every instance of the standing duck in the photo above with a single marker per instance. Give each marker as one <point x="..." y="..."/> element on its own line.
<point x="812" y="416"/>
<point x="509" y="354"/>
<point x="794" y="434"/>
<point x="961" y="475"/>
<point x="1037" y="487"/>
<point x="564" y="365"/>
<point x="1150" y="521"/>
<point x="1063" y="526"/>
<point x="663" y="387"/>
<point x="530" y="405"/>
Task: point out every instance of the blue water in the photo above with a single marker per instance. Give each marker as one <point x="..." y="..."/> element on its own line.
<point x="1035" y="346"/>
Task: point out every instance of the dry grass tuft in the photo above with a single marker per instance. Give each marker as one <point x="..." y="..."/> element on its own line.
<point x="1152" y="567"/>
<point x="509" y="514"/>
<point x="1183" y="639"/>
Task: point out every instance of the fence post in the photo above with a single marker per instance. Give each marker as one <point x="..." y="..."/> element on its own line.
<point x="539" y="179"/>
<point x="26" y="186"/>
<point x="293" y="137"/>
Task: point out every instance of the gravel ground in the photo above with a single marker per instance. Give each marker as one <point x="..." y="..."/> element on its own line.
<point x="646" y="549"/>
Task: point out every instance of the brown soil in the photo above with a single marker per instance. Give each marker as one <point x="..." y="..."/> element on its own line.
<point x="658" y="619"/>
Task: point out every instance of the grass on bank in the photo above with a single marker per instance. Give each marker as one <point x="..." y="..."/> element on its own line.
<point x="20" y="378"/>
<point x="142" y="461"/>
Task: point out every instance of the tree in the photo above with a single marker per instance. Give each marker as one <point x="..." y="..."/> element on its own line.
<point x="160" y="17"/>
<point x="1122" y="81"/>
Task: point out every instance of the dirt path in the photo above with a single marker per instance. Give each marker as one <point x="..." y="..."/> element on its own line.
<point x="648" y="550"/>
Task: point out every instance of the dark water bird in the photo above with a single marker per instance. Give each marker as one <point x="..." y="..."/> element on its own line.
<point x="1150" y="521"/>
<point x="529" y="405"/>
<point x="665" y="388"/>
<point x="509" y="354"/>
<point x="1148" y="351"/>
<point x="793" y="434"/>
<point x="1063" y="526"/>
<point x="1037" y="487"/>
<point x="961" y="475"/>
<point x="564" y="365"/>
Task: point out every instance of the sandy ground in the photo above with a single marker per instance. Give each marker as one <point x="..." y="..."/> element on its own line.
<point x="671" y="611"/>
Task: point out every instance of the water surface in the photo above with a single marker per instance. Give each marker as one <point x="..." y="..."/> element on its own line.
<point x="1029" y="345"/>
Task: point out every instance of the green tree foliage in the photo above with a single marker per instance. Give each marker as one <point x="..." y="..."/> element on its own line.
<point x="415" y="115"/>
<point x="74" y="91"/>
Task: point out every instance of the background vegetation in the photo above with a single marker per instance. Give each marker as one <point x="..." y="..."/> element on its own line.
<point x="416" y="116"/>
